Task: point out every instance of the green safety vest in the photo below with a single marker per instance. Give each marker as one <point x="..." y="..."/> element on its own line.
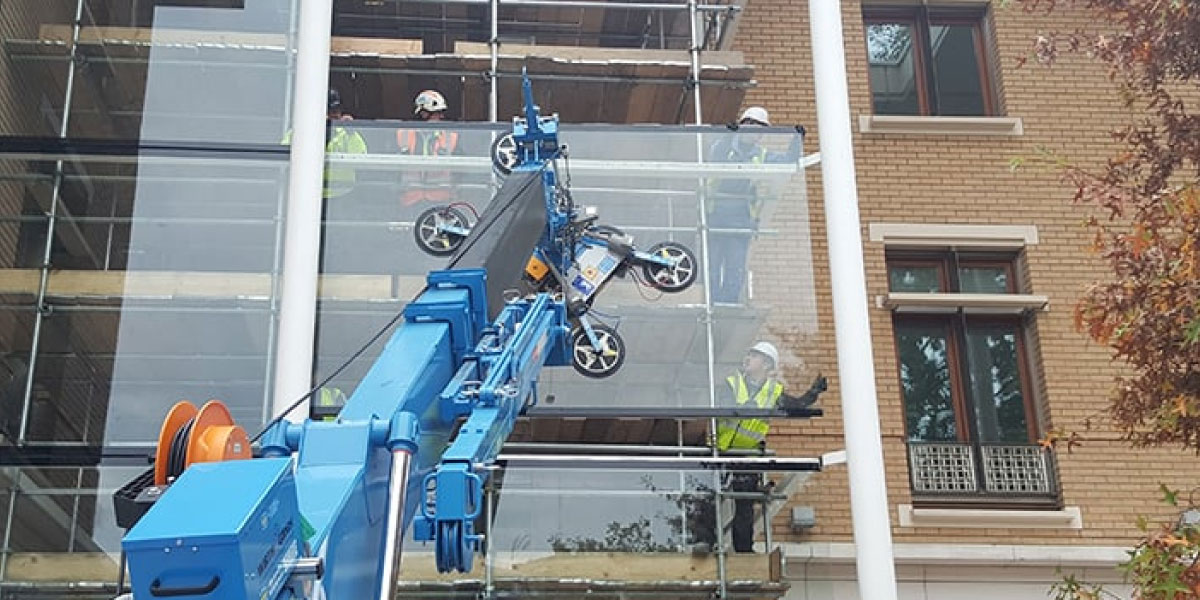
<point x="747" y="433"/>
<point x="340" y="179"/>
<point x="331" y="396"/>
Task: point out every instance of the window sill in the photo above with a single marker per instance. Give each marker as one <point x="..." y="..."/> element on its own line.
<point x="1002" y="126"/>
<point x="985" y="304"/>
<point x="1069" y="517"/>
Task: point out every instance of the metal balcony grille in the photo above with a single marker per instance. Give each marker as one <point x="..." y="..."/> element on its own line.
<point x="1017" y="470"/>
<point x="972" y="470"/>
<point x="942" y="468"/>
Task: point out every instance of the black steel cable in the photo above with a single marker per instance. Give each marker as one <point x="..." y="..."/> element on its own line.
<point x="177" y="453"/>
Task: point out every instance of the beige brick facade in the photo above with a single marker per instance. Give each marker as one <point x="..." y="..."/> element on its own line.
<point x="963" y="179"/>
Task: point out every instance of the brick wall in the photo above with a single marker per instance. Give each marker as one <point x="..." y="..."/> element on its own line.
<point x="1069" y="109"/>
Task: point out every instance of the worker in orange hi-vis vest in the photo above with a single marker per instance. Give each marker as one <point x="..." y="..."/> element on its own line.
<point x="426" y="185"/>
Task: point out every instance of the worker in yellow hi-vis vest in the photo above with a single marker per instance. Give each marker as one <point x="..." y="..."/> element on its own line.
<point x="339" y="179"/>
<point x="734" y="204"/>
<point x="755" y="385"/>
<point x="329" y="401"/>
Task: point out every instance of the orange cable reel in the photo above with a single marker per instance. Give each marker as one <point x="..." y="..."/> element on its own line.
<point x="189" y="436"/>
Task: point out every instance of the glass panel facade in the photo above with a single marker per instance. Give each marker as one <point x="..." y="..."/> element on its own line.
<point x="144" y="154"/>
<point x="212" y="70"/>
<point x="893" y="57"/>
<point x="929" y="407"/>
<point x="956" y="67"/>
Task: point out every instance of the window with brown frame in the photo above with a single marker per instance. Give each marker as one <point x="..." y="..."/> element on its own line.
<point x="929" y="60"/>
<point x="965" y="383"/>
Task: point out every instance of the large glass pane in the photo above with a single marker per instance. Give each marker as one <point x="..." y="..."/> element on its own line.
<point x="61" y="510"/>
<point x="211" y="70"/>
<point x="201" y="212"/>
<point x="957" y="70"/>
<point x="914" y="278"/>
<point x="996" y="389"/>
<point x="893" y="57"/>
<point x="645" y="184"/>
<point x="108" y="375"/>
<point x="983" y="280"/>
<point x="923" y="351"/>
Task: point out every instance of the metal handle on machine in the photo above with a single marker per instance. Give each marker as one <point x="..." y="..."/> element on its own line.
<point x="158" y="591"/>
<point x="397" y="485"/>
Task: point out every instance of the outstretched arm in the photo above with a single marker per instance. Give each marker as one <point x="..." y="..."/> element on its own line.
<point x="789" y="403"/>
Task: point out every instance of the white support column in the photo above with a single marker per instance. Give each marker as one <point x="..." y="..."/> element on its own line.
<point x="302" y="233"/>
<point x="856" y="366"/>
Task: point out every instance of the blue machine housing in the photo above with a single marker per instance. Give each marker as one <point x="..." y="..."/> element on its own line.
<point x="238" y="532"/>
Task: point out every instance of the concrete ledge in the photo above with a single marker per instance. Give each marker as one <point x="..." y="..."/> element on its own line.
<point x="914" y="125"/>
<point x="1000" y="555"/>
<point x="971" y="518"/>
<point x="985" y="304"/>
<point x="923" y="235"/>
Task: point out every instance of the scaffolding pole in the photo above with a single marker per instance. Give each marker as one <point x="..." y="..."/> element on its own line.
<point x="51" y="222"/>
<point x="852" y="328"/>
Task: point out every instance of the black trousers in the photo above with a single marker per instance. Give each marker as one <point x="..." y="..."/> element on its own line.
<point x="743" y="511"/>
<point x="702" y="516"/>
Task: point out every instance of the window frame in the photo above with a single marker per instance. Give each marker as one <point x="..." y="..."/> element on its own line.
<point x="956" y="325"/>
<point x="921" y="18"/>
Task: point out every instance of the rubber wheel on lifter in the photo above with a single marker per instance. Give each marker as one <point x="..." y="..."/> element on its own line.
<point x="504" y="154"/>
<point x="671" y="279"/>
<point x="427" y="230"/>
<point x="597" y="363"/>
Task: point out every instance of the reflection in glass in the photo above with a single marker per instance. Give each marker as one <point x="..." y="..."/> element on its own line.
<point x="925" y="382"/>
<point x="109" y="376"/>
<point x="61" y="509"/>
<point x="956" y="70"/>
<point x="16" y="335"/>
<point x="983" y="280"/>
<point x="542" y="511"/>
<point x="894" y="73"/>
<point x="914" y="279"/>
<point x="996" y="383"/>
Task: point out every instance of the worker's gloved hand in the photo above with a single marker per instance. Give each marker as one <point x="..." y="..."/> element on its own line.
<point x="797" y="403"/>
<point x="820" y="384"/>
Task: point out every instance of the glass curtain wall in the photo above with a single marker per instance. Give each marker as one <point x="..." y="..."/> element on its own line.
<point x="142" y="187"/>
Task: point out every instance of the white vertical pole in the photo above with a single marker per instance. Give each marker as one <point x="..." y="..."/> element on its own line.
<point x="302" y="233"/>
<point x="856" y="366"/>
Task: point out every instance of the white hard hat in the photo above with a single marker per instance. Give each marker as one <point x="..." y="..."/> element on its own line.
<point x="429" y="101"/>
<point x="757" y="114"/>
<point x="768" y="350"/>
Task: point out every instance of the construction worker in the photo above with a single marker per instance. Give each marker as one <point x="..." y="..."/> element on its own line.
<point x="755" y="382"/>
<point x="427" y="186"/>
<point x="329" y="401"/>
<point x="734" y="204"/>
<point x="339" y="179"/>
